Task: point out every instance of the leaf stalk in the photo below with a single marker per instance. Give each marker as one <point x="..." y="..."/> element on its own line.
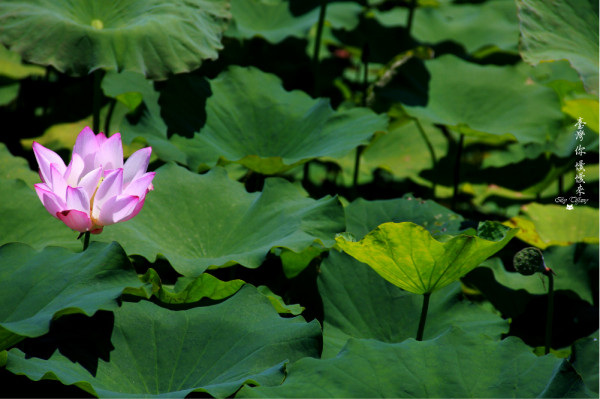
<point x="423" y="317"/>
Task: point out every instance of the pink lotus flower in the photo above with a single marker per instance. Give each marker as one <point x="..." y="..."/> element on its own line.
<point x="95" y="189"/>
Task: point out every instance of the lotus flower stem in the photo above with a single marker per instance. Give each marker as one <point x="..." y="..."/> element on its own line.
<point x="423" y="316"/>
<point x="86" y="240"/>
<point x="97" y="100"/>
<point x="550" y="311"/>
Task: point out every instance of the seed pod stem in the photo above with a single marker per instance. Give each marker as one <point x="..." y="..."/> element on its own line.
<point x="550" y="311"/>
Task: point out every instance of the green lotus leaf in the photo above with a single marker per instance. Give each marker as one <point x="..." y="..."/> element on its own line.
<point x="565" y="29"/>
<point x="453" y="365"/>
<point x="293" y="263"/>
<point x="278" y="302"/>
<point x="12" y="167"/>
<point x="273" y="20"/>
<point x="546" y="225"/>
<point x="165" y="353"/>
<point x="137" y="94"/>
<point x="150" y="37"/>
<point x="129" y="88"/>
<point x="198" y="221"/>
<point x="24" y="219"/>
<point x="483" y="101"/>
<point x="358" y="303"/>
<point x="252" y="120"/>
<point x="571" y="265"/>
<point x="407" y="255"/>
<point x="586" y="361"/>
<point x="186" y="289"/>
<point x="39" y="286"/>
<point x="475" y="27"/>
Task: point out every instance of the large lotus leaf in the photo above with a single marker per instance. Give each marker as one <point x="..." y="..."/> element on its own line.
<point x="362" y="216"/>
<point x="252" y="120"/>
<point x="273" y="20"/>
<point x="454" y="365"/>
<point x="358" y="303"/>
<point x="409" y="257"/>
<point x="570" y="264"/>
<point x="11" y="66"/>
<point x="585" y="358"/>
<point x="24" y="219"/>
<point x="403" y="151"/>
<point x="165" y="353"/>
<point x="546" y="225"/>
<point x="475" y="27"/>
<point x="37" y="286"/>
<point x="12" y="167"/>
<point x="151" y="37"/>
<point x="482" y="101"/>
<point x="565" y="29"/>
<point x="198" y="221"/>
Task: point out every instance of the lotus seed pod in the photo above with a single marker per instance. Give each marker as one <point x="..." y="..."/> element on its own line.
<point x="529" y="261"/>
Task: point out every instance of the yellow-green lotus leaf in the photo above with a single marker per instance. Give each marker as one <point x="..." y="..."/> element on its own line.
<point x="408" y="256"/>
<point x="547" y="225"/>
